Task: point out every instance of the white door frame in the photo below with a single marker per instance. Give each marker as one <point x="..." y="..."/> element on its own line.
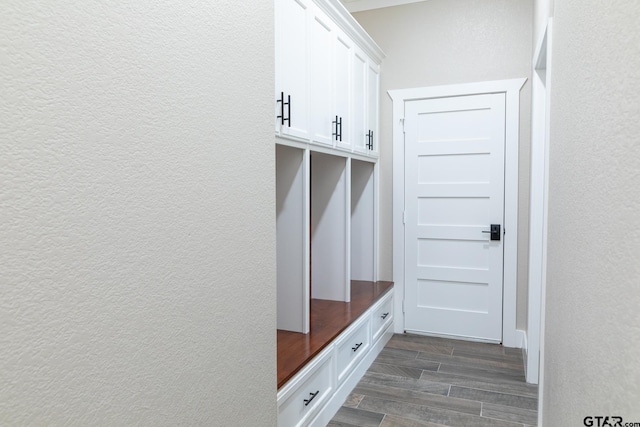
<point x="539" y="193"/>
<point x="511" y="89"/>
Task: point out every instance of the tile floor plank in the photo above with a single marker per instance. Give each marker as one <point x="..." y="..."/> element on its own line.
<point x="406" y="383"/>
<point x="334" y="423"/>
<point x="420" y="398"/>
<point x="395" y="421"/>
<point x="496" y="365"/>
<point x="353" y="400"/>
<point x="358" y="417"/>
<point x="508" y="413"/>
<point x="400" y="353"/>
<point x="500" y="385"/>
<point x="414" y="342"/>
<point x="482" y="373"/>
<point x="493" y="397"/>
<point x="400" y="371"/>
<point x="433" y="415"/>
<point x="425" y="365"/>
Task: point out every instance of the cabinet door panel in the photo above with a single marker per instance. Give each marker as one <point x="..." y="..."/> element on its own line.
<point x="292" y="65"/>
<point x="322" y="112"/>
<point x="359" y="102"/>
<point x="373" y="90"/>
<point x="342" y="87"/>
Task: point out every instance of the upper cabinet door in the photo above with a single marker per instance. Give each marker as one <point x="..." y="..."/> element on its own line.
<point x="373" y="99"/>
<point x="292" y="34"/>
<point x="343" y="52"/>
<point x="321" y="106"/>
<point x="359" y="101"/>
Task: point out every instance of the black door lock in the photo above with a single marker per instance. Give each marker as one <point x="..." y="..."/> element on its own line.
<point x="495" y="231"/>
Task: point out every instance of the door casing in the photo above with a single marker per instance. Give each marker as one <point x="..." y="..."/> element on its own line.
<point x="511" y="89"/>
<point x="540" y="119"/>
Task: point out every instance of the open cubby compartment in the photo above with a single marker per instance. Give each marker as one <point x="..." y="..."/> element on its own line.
<point x="330" y="206"/>
<point x="363" y="221"/>
<point x="292" y="238"/>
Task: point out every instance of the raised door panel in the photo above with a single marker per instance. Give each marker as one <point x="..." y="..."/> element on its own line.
<point x="321" y="105"/>
<point x="373" y="95"/>
<point x="359" y="101"/>
<point x="292" y="68"/>
<point x="343" y="52"/>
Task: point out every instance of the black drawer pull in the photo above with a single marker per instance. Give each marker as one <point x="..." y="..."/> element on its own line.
<point x="384" y="316"/>
<point x="313" y="396"/>
<point x="356" y="347"/>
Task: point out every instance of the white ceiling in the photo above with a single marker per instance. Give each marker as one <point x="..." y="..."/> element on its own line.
<point x="360" y="5"/>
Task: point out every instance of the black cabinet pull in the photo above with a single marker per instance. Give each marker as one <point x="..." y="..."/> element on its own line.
<point x="282" y="104"/>
<point x="313" y="396"/>
<point x="370" y="140"/>
<point x="384" y="316"/>
<point x="356" y="347"/>
<point x="281" y="101"/>
<point x="338" y="132"/>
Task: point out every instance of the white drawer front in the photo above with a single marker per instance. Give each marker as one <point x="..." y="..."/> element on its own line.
<point x="310" y="393"/>
<point x="382" y="315"/>
<point x="352" y="347"/>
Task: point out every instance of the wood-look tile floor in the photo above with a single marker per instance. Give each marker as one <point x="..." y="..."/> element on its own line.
<point x="421" y="381"/>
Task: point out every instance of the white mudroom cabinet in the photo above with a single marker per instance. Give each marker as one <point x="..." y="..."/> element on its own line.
<point x="334" y="316"/>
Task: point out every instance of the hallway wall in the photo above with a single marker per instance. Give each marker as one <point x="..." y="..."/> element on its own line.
<point x="592" y="334"/>
<point x="137" y="207"/>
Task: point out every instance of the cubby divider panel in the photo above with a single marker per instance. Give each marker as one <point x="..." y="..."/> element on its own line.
<point x="330" y="195"/>
<point x="292" y="238"/>
<point x="362" y="220"/>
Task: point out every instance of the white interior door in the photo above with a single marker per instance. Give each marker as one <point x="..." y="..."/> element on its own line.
<point x="454" y="191"/>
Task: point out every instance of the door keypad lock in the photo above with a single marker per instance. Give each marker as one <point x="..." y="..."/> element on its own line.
<point x="495" y="231"/>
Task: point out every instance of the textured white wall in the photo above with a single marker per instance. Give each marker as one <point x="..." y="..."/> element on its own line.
<point x="592" y="334"/>
<point x="444" y="42"/>
<point x="137" y="238"/>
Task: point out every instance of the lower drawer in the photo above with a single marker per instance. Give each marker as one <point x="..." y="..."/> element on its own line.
<point x="382" y="315"/>
<point x="306" y="393"/>
<point x="352" y="347"/>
